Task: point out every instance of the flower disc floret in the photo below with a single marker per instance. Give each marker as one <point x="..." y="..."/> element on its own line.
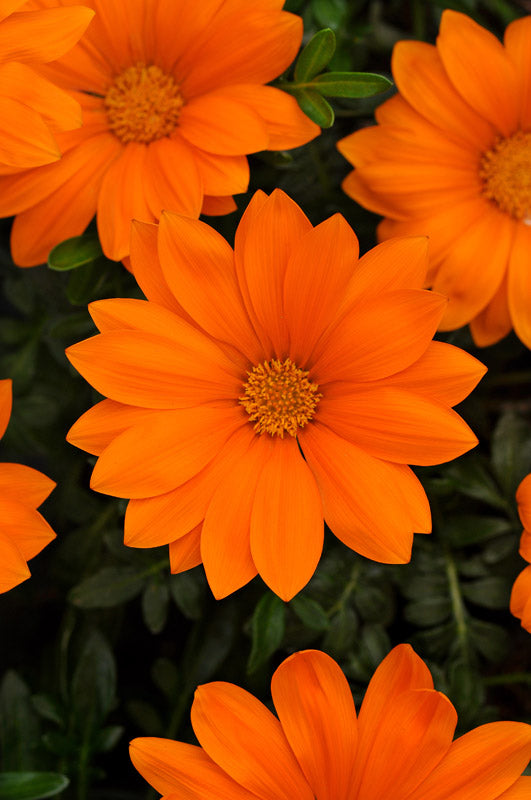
<point x="506" y="173"/>
<point x="279" y="398"/>
<point x="143" y="104"/>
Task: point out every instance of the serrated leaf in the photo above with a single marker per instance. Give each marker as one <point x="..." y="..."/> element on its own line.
<point x="108" y="587"/>
<point x="74" y="252"/>
<point x="350" y="84"/>
<point x="315" y="107"/>
<point x="315" y="56"/>
<point x="267" y="626"/>
<point x="31" y="785"/>
<point x="491" y="592"/>
<point x="310" y="613"/>
<point x="155" y="599"/>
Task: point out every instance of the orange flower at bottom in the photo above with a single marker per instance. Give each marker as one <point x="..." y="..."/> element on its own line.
<point x="521" y="594"/>
<point x="23" y="531"/>
<point x="400" y="747"/>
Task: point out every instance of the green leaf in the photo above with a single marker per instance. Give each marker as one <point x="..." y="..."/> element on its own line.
<point x="31" y="785"/>
<point x="350" y="84"/>
<point x="470" y="476"/>
<point x="108" y="738"/>
<point x="428" y="611"/>
<point x="310" y="613"/>
<point x="315" y="56"/>
<point x="93" y="683"/>
<point x="268" y="625"/>
<point x="489" y="639"/>
<point x="315" y="107"/>
<point x="186" y="594"/>
<point x="473" y="528"/>
<point x="85" y="283"/>
<point x="511" y="451"/>
<point x="108" y="587"/>
<point x="491" y="592"/>
<point x="74" y="252"/>
<point x="341" y="634"/>
<point x="19" y="728"/>
<point x="330" y="12"/>
<point x="155" y="599"/>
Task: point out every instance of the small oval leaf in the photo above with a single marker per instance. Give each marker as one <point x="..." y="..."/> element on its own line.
<point x="350" y="84"/>
<point x="31" y="785"/>
<point x="268" y="625"/>
<point x="315" y="107"/>
<point x="74" y="252"/>
<point x="316" y="55"/>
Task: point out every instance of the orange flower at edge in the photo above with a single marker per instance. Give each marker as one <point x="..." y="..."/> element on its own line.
<point x="33" y="110"/>
<point x="241" y="361"/>
<point x="23" y="531"/>
<point x="173" y="99"/>
<point x="451" y="158"/>
<point x="400" y="747"/>
<point x="520" y="604"/>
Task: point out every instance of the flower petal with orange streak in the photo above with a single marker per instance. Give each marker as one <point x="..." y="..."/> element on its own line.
<point x="25" y="139"/>
<point x="24" y="484"/>
<point x="286" y="521"/>
<point x="519" y="282"/>
<point x="171" y="179"/>
<point x="225" y="539"/>
<point x="256" y="742"/>
<point x="443" y="373"/>
<point x="516" y="39"/>
<point x="185" y="553"/>
<point x="6" y="395"/>
<point x="184" y="769"/>
<point x="25" y="527"/>
<point x="8" y="6"/>
<point x="44" y="35"/>
<point x="525" y="544"/>
<point x="520" y="790"/>
<point x="363" y="501"/>
<point x="146" y="265"/>
<point x="97" y="427"/>
<point x="520" y="603"/>
<point x="315" y="707"/>
<point x="218" y="206"/>
<point x="397" y="425"/>
<point x="494" y="322"/>
<point x="479" y="765"/>
<point x="198" y="266"/>
<point x="476" y="63"/>
<point x="317" y="274"/>
<point x="158" y="455"/>
<point x="222" y="175"/>
<point x="523" y="499"/>
<point x="218" y="124"/>
<point x="14" y="569"/>
<point x="356" y="187"/>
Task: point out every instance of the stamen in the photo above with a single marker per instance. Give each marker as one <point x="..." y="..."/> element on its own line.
<point x="506" y="174"/>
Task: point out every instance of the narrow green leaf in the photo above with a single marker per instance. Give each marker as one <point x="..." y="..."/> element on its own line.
<point x="268" y="625"/>
<point x="155" y="600"/>
<point x="315" y="107"/>
<point x="490" y="592"/>
<point x="93" y="683"/>
<point x="315" y="56"/>
<point x="19" y="724"/>
<point x="31" y="785"/>
<point x="186" y="594"/>
<point x="310" y="613"/>
<point x="511" y="450"/>
<point x="108" y="587"/>
<point x="350" y="84"/>
<point x="74" y="252"/>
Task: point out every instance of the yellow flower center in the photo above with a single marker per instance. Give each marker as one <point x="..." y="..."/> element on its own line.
<point x="506" y="174"/>
<point x="143" y="104"/>
<point x="279" y="397"/>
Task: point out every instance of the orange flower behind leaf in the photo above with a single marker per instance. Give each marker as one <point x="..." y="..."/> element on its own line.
<point x="521" y="594"/>
<point x="260" y="390"/>
<point x="23" y="531"/>
<point x="451" y="158"/>
<point x="401" y="746"/>
<point x="32" y="109"/>
<point x="173" y="100"/>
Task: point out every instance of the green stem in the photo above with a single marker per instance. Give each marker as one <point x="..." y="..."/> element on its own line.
<point x="511" y="677"/>
<point x="458" y="606"/>
<point x="347" y="591"/>
<point x="418" y="19"/>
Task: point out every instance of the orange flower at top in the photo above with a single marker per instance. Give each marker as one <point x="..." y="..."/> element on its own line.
<point x="521" y="593"/>
<point x="23" y="531"/>
<point x="258" y="390"/>
<point x="173" y="98"/>
<point x="32" y="109"/>
<point x="451" y="158"/>
<point x="399" y="748"/>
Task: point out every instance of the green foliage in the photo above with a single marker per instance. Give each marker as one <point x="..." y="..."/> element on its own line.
<point x="75" y="252"/>
<point x="31" y="785"/>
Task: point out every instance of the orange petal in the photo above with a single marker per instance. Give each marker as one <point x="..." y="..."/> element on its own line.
<point x="218" y="124"/>
<point x="185" y="553"/>
<point x="8" y="6"/>
<point x="286" y="521"/>
<point x="245" y="740"/>
<point x="479" y="69"/>
<point x="520" y="604"/>
<point x="225" y="544"/>
<point x="221" y="175"/>
<point x="370" y="505"/>
<point x="517" y="38"/>
<point x="146" y="267"/>
<point x="171" y="179"/>
<point x="24" y="484"/>
<point x="155" y="456"/>
<point x="317" y="275"/>
<point x="494" y="322"/>
<point x="400" y="671"/>
<point x="218" y="206"/>
<point x="519" y="790"/>
<point x="43" y="35"/>
<point x="356" y="187"/>
<point x="25" y="139"/>
<point x="13" y="569"/>
<point x="525" y="541"/>
<point x="315" y="707"/>
<point x="97" y="427"/>
<point x="519" y="286"/>
<point x="25" y="527"/>
<point x="174" y="767"/>
<point x="479" y="765"/>
<point x="5" y="404"/>
<point x="523" y="498"/>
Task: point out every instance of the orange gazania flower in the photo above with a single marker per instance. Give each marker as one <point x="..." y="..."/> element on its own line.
<point x="400" y="747"/>
<point x="521" y="594"/>
<point x="173" y="98"/>
<point x="258" y="390"/>
<point x="33" y="109"/>
<point x="23" y="531"/>
<point x="451" y="158"/>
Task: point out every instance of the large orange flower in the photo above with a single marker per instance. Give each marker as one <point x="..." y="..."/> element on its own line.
<point x="451" y="158"/>
<point x="521" y="593"/>
<point x="400" y="747"/>
<point x="258" y="390"/>
<point x="173" y="98"/>
<point x="23" y="531"/>
<point x="32" y="108"/>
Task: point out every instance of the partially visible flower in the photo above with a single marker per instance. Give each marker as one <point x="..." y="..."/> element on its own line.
<point x="23" y="531"/>
<point x="451" y="158"/>
<point x="262" y="389"/>
<point x="173" y="99"/>
<point x="32" y="109"/>
<point x="521" y="594"/>
<point x="399" y="748"/>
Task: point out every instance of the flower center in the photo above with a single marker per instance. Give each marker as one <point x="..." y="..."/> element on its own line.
<point x="506" y="174"/>
<point x="279" y="397"/>
<point x="143" y="104"/>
